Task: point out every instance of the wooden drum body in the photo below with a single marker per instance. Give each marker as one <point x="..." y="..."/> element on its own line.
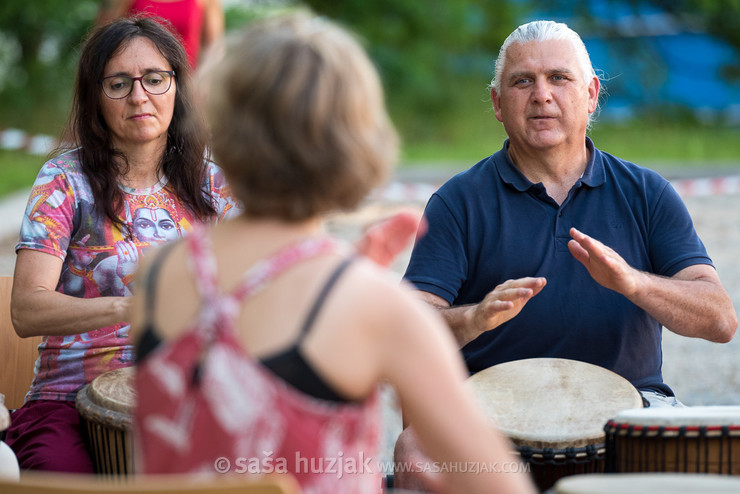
<point x="686" y="440"/>
<point x="105" y="407"/>
<point x="554" y="411"/>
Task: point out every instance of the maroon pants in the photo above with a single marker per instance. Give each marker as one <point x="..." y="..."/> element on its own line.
<point x="46" y="435"/>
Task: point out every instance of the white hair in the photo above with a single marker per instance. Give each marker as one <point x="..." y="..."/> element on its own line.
<point x="544" y="31"/>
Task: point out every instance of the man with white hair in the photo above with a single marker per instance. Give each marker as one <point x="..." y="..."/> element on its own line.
<point x="607" y="246"/>
<point x="553" y="248"/>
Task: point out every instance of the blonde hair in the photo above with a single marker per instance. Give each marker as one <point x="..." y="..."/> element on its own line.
<point x="298" y="119"/>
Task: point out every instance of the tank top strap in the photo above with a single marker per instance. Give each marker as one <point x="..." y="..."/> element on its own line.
<point x="321" y="298"/>
<point x="267" y="269"/>
<point x="202" y="263"/>
<point x="150" y="281"/>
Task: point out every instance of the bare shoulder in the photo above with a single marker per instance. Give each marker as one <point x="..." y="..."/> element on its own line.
<point x="371" y="280"/>
<point x="372" y="328"/>
<point x="385" y="300"/>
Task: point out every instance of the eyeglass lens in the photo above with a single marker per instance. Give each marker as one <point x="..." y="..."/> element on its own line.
<point x="120" y="86"/>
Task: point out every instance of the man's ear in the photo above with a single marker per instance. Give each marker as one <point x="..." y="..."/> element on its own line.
<point x="593" y="94"/>
<point x="496" y="99"/>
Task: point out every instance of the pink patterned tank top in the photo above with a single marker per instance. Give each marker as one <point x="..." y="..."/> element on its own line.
<point x="206" y="405"/>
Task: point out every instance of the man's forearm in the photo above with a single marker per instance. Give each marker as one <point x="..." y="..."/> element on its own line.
<point x="695" y="308"/>
<point x="458" y="319"/>
<point x="504" y="302"/>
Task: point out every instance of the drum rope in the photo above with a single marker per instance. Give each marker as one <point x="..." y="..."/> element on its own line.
<point x="682" y="433"/>
<point x="726" y="430"/>
<point x="662" y="450"/>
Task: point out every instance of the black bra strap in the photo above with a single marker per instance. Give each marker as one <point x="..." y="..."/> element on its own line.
<point x="319" y="302"/>
<point x="150" y="283"/>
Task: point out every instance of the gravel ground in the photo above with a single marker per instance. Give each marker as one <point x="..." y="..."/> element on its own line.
<point x="700" y="372"/>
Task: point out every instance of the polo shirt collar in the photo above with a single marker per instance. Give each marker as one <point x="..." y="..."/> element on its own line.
<point x="593" y="176"/>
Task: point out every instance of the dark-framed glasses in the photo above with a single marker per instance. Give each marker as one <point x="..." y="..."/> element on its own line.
<point x="120" y="86"/>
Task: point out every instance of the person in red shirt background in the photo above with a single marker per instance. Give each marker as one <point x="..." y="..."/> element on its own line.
<point x="198" y="22"/>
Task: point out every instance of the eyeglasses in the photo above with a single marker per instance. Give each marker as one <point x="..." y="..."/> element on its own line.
<point x="120" y="86"/>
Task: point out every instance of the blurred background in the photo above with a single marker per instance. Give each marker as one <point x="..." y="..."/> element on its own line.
<point x="671" y="70"/>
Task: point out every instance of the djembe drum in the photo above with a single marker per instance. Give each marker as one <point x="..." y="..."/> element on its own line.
<point x="554" y="411"/>
<point x="688" y="440"/>
<point x="105" y="407"/>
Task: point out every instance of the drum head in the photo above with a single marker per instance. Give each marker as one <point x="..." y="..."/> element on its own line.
<point x="680" y="417"/>
<point x="114" y="390"/>
<point x="109" y="399"/>
<point x="552" y="403"/>
<point x="654" y="483"/>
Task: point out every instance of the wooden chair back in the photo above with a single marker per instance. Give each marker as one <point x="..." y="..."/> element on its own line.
<point x="17" y="355"/>
<point x="59" y="483"/>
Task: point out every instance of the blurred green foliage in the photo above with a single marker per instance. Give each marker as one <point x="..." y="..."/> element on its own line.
<point x="38" y="52"/>
<point x="435" y="56"/>
<point x="427" y="51"/>
<point x="18" y="170"/>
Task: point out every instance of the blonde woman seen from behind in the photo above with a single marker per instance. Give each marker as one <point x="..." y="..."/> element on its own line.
<point x="269" y="346"/>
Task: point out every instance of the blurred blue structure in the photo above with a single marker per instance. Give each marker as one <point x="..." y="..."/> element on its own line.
<point x="649" y="61"/>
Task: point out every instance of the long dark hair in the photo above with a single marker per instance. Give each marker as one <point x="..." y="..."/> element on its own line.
<point x="183" y="160"/>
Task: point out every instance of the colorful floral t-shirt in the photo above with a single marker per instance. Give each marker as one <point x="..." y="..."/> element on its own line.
<point x="99" y="260"/>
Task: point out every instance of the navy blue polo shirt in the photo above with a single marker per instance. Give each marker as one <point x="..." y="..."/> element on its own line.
<point x="489" y="224"/>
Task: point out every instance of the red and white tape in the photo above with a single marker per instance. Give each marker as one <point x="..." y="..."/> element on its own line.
<point x="404" y="192"/>
<point x="694" y="187"/>
<point x="704" y="187"/>
<point x="19" y="140"/>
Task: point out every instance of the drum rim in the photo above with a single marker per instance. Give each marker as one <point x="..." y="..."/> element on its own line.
<point x="590" y="450"/>
<point x="699" y="416"/>
<point x="93" y="412"/>
<point x="542" y="443"/>
<point x="613" y="428"/>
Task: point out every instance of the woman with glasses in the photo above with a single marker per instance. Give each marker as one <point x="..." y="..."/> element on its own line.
<point x="136" y="150"/>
